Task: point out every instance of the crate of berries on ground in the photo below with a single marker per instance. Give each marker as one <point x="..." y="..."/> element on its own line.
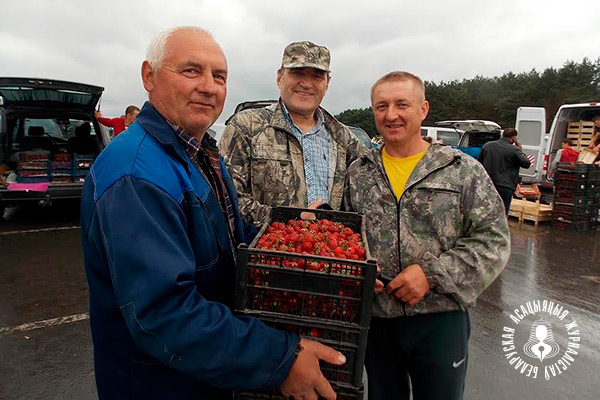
<point x="318" y="269"/>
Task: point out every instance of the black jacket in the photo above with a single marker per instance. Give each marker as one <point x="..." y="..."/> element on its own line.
<point x="502" y="160"/>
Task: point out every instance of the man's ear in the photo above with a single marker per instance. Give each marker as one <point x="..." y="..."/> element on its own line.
<point x="424" y="110"/>
<point x="147" y="76"/>
<point x="278" y="78"/>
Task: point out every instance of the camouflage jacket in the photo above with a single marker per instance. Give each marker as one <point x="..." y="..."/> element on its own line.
<point x="265" y="160"/>
<point x="450" y="220"/>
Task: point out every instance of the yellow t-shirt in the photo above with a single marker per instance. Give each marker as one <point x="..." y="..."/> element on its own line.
<point x="398" y="169"/>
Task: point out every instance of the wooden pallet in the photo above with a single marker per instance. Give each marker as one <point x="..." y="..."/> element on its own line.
<point x="581" y="125"/>
<point x="533" y="211"/>
<point x="581" y="133"/>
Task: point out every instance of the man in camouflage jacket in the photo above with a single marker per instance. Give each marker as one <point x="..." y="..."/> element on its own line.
<point x="292" y="153"/>
<point x="442" y="240"/>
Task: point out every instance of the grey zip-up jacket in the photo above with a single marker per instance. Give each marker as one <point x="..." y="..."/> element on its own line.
<point x="450" y="220"/>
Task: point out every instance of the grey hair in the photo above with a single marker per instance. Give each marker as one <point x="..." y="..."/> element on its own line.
<point x="155" y="53"/>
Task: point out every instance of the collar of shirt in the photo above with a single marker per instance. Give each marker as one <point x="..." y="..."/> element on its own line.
<point x="297" y="131"/>
<point x="191" y="144"/>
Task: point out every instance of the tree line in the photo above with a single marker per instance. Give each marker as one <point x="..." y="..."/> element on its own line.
<point x="498" y="98"/>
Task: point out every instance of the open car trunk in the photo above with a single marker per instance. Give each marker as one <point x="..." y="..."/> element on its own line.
<point x="476" y="134"/>
<point x="49" y="138"/>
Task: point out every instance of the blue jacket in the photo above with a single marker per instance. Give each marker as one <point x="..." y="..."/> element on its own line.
<point x="161" y="272"/>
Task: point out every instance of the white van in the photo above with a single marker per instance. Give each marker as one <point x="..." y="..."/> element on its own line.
<point x="542" y="146"/>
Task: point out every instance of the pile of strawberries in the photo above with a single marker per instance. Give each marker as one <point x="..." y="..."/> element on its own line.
<point x="336" y="245"/>
<point x="319" y="237"/>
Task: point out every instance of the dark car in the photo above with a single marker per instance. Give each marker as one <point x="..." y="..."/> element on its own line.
<point x="249" y="105"/>
<point x="48" y="134"/>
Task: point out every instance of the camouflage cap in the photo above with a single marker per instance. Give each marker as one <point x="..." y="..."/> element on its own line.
<point x="306" y="54"/>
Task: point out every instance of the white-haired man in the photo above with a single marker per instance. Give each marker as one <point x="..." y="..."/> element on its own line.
<point x="160" y="223"/>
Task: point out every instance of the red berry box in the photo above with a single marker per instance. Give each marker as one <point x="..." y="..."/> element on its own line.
<point x="286" y="283"/>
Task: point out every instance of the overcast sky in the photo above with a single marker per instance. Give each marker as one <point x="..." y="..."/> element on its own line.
<point x="104" y="42"/>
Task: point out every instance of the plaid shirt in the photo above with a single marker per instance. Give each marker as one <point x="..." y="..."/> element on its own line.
<point x="205" y="156"/>
<point x="315" y="150"/>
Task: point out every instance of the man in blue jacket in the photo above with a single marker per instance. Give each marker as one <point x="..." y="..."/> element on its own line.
<point x="160" y="223"/>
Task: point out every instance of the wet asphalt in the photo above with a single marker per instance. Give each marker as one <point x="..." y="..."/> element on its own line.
<point x="46" y="356"/>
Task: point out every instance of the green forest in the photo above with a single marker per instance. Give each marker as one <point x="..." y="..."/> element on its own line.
<point x="498" y="98"/>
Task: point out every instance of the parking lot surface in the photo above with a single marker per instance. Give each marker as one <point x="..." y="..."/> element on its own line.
<point x="45" y="342"/>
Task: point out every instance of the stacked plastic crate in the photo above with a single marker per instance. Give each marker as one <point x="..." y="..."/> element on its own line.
<point x="81" y="166"/>
<point x="331" y="306"/>
<point x="478" y="139"/>
<point x="33" y="166"/>
<point x="62" y="168"/>
<point x="576" y="198"/>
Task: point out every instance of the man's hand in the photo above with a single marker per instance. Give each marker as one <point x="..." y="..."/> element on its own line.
<point x="312" y="206"/>
<point x="305" y="380"/>
<point x="379" y="285"/>
<point x="409" y="286"/>
<point x="518" y="144"/>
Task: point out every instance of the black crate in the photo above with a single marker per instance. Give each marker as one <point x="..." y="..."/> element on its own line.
<point x="478" y="139"/>
<point x="343" y="393"/>
<point x="569" y="218"/>
<point x="342" y="292"/>
<point x="576" y="185"/>
<point x="575" y="210"/>
<point x="574" y="226"/>
<point x="570" y="197"/>
<point x="565" y="176"/>
<point x="567" y="195"/>
<point x="592" y="187"/>
<point x="573" y="167"/>
<point x="594" y="173"/>
<point x="352" y="342"/>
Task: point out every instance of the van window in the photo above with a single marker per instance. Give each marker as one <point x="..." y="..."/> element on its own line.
<point x="529" y="133"/>
<point x="449" y="138"/>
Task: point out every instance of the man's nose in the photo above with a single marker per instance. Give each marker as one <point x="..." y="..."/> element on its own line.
<point x="305" y="81"/>
<point x="391" y="113"/>
<point x="206" y="84"/>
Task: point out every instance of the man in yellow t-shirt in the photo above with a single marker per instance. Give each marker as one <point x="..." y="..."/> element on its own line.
<point x="436" y="225"/>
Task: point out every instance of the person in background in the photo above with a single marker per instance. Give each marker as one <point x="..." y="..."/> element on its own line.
<point x="502" y="160"/>
<point x="160" y="225"/>
<point x="436" y="226"/>
<point x="565" y="154"/>
<point x="119" y="124"/>
<point x="292" y="153"/>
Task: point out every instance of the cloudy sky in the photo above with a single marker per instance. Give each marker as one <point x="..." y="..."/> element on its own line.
<point x="104" y="42"/>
